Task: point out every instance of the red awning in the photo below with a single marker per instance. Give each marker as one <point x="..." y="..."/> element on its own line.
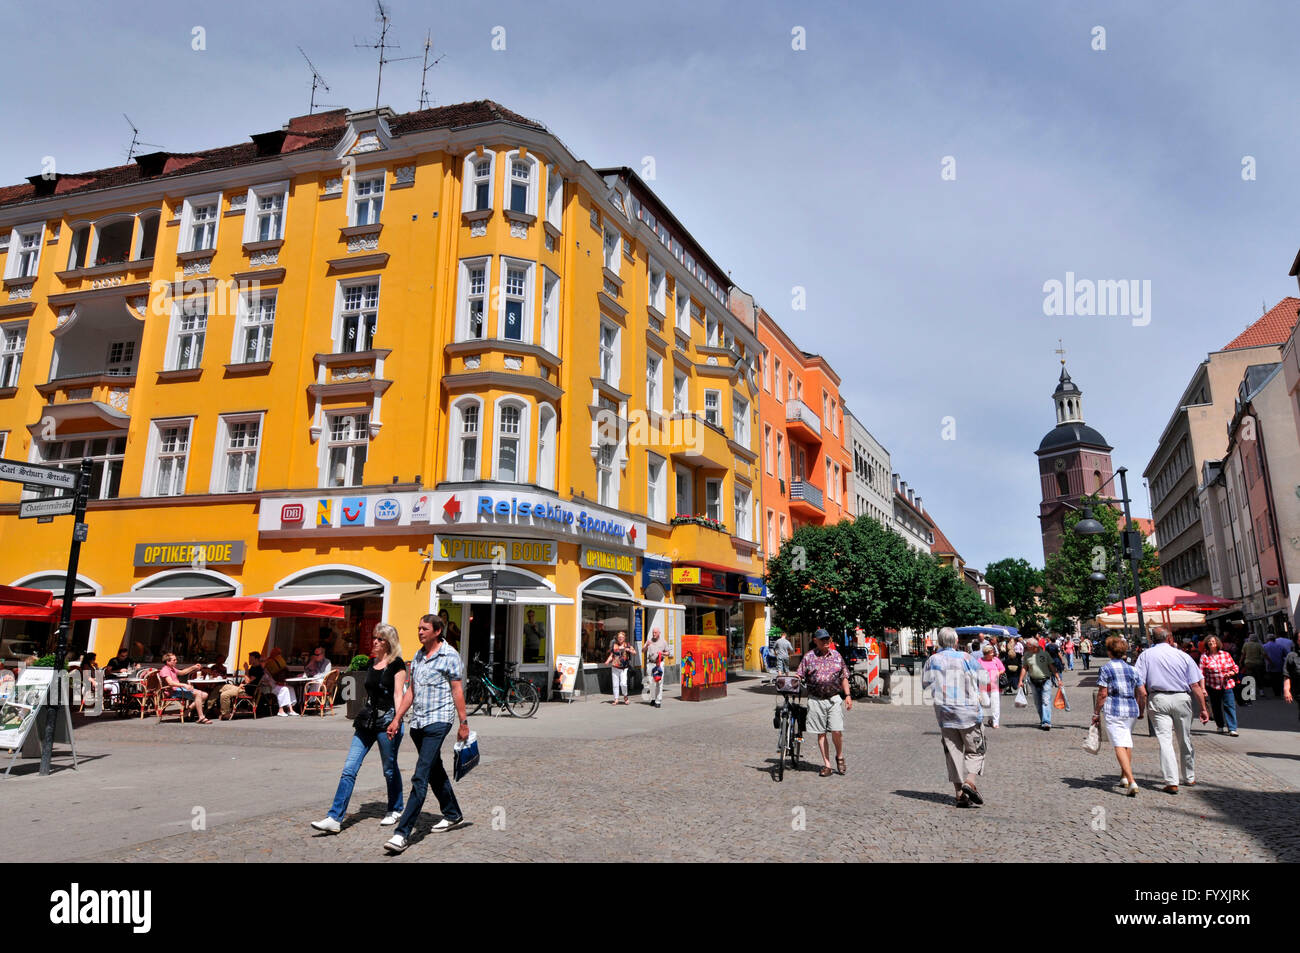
<point x="1167" y="597"/>
<point x="53" y="613"/>
<point x="19" y="596"/>
<point x="238" y="608"/>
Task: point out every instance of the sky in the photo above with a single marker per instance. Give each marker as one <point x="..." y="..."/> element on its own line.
<point x="921" y="170"/>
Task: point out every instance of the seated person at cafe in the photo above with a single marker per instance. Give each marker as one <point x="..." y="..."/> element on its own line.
<point x="171" y="677"/>
<point x="277" y="670"/>
<point x="253" y="675"/>
<point x="118" y="664"/>
<point x="318" y="666"/>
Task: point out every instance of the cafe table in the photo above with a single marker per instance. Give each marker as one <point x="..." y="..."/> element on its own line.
<point x="299" y="682"/>
<point x="212" y="685"/>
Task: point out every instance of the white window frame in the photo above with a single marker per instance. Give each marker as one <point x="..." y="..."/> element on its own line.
<point x="684" y="488"/>
<point x="771" y="533"/>
<point x="223" y="452"/>
<point x="776" y="369"/>
<point x="780" y="455"/>
<point x="654" y="366"/>
<point x="180" y="313"/>
<point x="155" y="454"/>
<point x="607" y="494"/>
<point x="108" y="221"/>
<point x="712" y="329"/>
<point x="713" y="488"/>
<point x="252" y="321"/>
<point x="374" y="216"/>
<point x="137" y="242"/>
<point x="522" y="457"/>
<point x="14" y="267"/>
<point x="740" y="420"/>
<point x="357" y="435"/>
<point x="682" y="306"/>
<point x="716" y="420"/>
<point x="548" y="334"/>
<point x="530" y="195"/>
<point x="610" y="252"/>
<point x="76" y="245"/>
<point x="72" y="464"/>
<point x="341" y="313"/>
<point x="767" y="371"/>
<point x="123" y="364"/>
<point x="525" y="298"/>
<point x="192" y="202"/>
<point x="463" y="297"/>
<point x="681" y="392"/>
<point x="554" y="198"/>
<point x="656" y="285"/>
<point x="13" y="345"/>
<point x="742" y="512"/>
<point x="470" y="191"/>
<point x="656" y="488"/>
<point x="456" y="447"/>
<point x="253" y="215"/>
<point x="611" y="370"/>
<point x="767" y="448"/>
<point x="547" y="447"/>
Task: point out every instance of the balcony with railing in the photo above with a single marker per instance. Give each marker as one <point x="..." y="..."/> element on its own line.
<point x="806" y="500"/>
<point x="801" y="421"/>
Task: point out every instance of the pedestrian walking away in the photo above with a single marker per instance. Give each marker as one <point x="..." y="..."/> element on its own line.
<point x="957" y="685"/>
<point x="1170" y="679"/>
<point x="1275" y="652"/>
<point x="827" y="679"/>
<point x="620" y="660"/>
<point x="1085" y="652"/>
<point x="783" y="647"/>
<point x="385" y="683"/>
<point x="1220" y="671"/>
<point x="436" y="698"/>
<point x="656" y="654"/>
<point x="1291" y="673"/>
<point x="993" y="666"/>
<point x="1118" y="706"/>
<point x="1252" y="664"/>
<point x="1038" y="668"/>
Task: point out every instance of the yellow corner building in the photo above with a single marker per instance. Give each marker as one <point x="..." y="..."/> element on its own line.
<point x="380" y="360"/>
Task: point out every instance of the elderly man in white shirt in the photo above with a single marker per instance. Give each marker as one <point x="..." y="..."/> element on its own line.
<point x="1170" y="680"/>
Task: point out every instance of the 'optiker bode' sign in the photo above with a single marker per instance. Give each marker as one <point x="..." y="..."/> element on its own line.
<point x="608" y="562"/>
<point x="483" y="549"/>
<point x="221" y="552"/>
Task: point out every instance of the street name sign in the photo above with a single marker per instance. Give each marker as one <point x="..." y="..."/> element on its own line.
<point x="46" y="508"/>
<point x="16" y="472"/>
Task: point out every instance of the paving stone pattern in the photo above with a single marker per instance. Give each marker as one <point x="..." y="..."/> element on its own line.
<point x="705" y="776"/>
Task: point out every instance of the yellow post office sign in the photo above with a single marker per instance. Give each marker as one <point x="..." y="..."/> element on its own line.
<point x="606" y="561"/>
<point x="686" y="576"/>
<point x="484" y="549"/>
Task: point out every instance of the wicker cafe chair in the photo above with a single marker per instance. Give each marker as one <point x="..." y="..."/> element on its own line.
<point x="320" y="694"/>
<point x="164" y="697"/>
<point x="142" y="696"/>
<point x="253" y="701"/>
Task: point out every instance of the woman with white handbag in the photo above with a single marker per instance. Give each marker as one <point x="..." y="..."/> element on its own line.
<point x="1117" y="701"/>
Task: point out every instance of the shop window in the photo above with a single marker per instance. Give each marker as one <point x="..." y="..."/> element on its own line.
<point x="602" y="620"/>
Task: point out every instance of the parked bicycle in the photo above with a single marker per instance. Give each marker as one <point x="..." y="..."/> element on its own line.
<point x="518" y="696"/>
<point x="789" y="721"/>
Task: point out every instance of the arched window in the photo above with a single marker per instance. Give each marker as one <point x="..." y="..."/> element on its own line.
<point x="478" y="176"/>
<point x="463" y="449"/>
<point x="1096" y="477"/>
<point x="522" y="175"/>
<point x="510" y="453"/>
<point x="113" y="241"/>
<point x="546" y="446"/>
<point x="1062" y="483"/>
<point x="148" y="235"/>
<point x="80" y="247"/>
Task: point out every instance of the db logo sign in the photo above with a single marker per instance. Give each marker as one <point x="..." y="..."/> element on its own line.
<point x="292" y="513"/>
<point x="387" y="510"/>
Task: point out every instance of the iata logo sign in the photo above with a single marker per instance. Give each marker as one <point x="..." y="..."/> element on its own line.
<point x="387" y="510"/>
<point x="291" y="514"/>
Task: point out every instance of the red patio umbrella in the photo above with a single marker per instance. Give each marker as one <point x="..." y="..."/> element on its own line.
<point x="1168" y="598"/>
<point x="237" y="609"/>
<point x="20" y="596"/>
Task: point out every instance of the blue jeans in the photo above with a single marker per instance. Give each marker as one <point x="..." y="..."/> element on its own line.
<point x="1042" y="692"/>
<point x="428" y="768"/>
<point x="361" y="742"/>
<point x="1069" y="660"/>
<point x="1224" y="705"/>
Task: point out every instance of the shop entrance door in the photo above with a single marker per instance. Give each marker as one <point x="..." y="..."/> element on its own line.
<point x="480" y="616"/>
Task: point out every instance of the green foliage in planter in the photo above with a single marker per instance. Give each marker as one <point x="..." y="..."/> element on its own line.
<point x="359" y="663"/>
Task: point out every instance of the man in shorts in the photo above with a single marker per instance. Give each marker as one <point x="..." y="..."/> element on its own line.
<point x="827" y="679"/>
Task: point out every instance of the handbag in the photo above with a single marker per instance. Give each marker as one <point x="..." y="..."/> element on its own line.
<point x="372" y="720"/>
<point x="1092" y="744"/>
<point x="464" y="756"/>
<point x="1021" y="701"/>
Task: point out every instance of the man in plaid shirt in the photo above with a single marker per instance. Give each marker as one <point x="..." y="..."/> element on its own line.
<point x="436" y="697"/>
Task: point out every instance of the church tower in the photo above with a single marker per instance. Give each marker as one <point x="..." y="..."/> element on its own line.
<point x="1073" y="462"/>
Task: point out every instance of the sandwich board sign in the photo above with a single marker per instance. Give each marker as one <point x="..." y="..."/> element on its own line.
<point x="23" y="714"/>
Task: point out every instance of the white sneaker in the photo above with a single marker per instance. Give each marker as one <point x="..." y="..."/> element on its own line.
<point x="293" y="714"/>
<point x="280" y="714"/>
<point x="395" y="844"/>
<point x="328" y="825"/>
<point x="391" y="818"/>
<point x="446" y="825"/>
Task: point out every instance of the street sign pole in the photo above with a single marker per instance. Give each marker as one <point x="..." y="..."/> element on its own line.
<point x="492" y="631"/>
<point x="65" y="622"/>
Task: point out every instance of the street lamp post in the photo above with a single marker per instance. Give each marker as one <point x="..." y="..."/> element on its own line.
<point x="1091" y="527"/>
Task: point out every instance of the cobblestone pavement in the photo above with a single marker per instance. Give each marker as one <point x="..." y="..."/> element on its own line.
<point x="578" y="782"/>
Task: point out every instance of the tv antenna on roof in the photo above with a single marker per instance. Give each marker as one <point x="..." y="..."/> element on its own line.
<point x="135" y="139"/>
<point x="317" y="80"/>
<point x="425" y="101"/>
<point x="382" y="44"/>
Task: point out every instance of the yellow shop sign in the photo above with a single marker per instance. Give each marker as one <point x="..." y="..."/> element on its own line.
<point x="483" y="549"/>
<point x="606" y="561"/>
<point x="686" y="576"/>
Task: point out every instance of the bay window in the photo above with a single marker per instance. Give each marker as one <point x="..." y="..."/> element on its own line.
<point x="463" y="451"/>
<point x="471" y="323"/>
<point x="511" y="456"/>
<point x="713" y="407"/>
<point x="516" y="300"/>
<point x="478" y="181"/>
<point x="713" y="499"/>
<point x="741" y="512"/>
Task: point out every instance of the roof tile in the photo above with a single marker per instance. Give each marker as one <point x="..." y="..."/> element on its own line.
<point x="1273" y="328"/>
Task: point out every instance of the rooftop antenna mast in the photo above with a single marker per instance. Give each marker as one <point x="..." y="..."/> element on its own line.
<point x="135" y="139"/>
<point x="425" y="101"/>
<point x="317" y="80"/>
<point x="382" y="44"/>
